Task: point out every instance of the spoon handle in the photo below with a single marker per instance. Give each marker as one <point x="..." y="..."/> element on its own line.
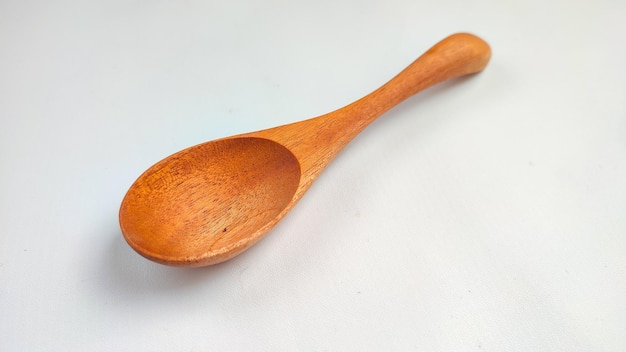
<point x="457" y="55"/>
<point x="315" y="142"/>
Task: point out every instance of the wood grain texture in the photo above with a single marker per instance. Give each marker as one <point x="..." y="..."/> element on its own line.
<point x="210" y="202"/>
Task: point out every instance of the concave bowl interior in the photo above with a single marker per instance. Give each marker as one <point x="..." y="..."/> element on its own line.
<point x="209" y="201"/>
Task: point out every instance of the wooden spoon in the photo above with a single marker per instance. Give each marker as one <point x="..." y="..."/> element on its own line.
<point x="208" y="203"/>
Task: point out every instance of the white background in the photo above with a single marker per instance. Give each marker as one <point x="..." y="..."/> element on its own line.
<point x="484" y="214"/>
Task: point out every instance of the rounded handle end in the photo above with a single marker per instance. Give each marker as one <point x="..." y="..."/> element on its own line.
<point x="460" y="54"/>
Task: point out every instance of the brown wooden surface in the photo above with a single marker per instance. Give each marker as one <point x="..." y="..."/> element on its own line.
<point x="210" y="202"/>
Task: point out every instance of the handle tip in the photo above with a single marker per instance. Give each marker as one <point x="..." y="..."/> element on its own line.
<point x="471" y="50"/>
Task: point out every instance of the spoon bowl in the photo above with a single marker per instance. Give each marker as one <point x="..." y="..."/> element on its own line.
<point x="210" y="202"/>
<point x="167" y="217"/>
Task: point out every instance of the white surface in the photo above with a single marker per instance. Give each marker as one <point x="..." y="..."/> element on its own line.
<point x="486" y="214"/>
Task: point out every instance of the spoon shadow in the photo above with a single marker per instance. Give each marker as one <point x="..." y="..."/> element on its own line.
<point x="126" y="273"/>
